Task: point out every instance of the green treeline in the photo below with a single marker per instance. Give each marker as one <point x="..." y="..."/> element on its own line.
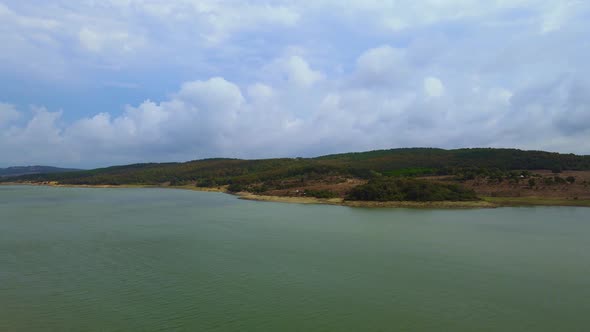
<point x="404" y="189"/>
<point x="505" y="159"/>
<point x="322" y="193"/>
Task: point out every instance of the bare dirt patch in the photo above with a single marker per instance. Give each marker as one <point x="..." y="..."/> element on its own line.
<point x="542" y="186"/>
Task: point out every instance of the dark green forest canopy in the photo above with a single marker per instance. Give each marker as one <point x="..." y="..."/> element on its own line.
<point x="367" y="165"/>
<point x="505" y="159"/>
<point x="404" y="189"/>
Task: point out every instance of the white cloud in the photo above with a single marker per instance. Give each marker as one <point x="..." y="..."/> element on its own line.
<point x="396" y="16"/>
<point x="188" y="32"/>
<point x="215" y="92"/>
<point x="91" y="40"/>
<point x="299" y="72"/>
<point x="381" y="65"/>
<point x="214" y="117"/>
<point x="40" y="139"/>
<point x="363" y="75"/>
<point x="8" y="113"/>
<point x="433" y="87"/>
<point x="28" y="22"/>
<point x="501" y="95"/>
<point x="117" y="41"/>
<point x="294" y="70"/>
<point x="260" y="92"/>
<point x="218" y="20"/>
<point x="558" y="14"/>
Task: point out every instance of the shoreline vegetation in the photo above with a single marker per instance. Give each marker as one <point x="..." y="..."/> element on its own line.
<point x="408" y="177"/>
<point x="483" y="203"/>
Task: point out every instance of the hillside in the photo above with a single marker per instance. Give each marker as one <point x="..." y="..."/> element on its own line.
<point x="504" y="172"/>
<point x="28" y="170"/>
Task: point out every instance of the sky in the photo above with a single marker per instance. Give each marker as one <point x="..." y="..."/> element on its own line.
<point x="92" y="83"/>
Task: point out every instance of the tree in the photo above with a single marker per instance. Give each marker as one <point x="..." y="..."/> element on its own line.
<point x="235" y="187"/>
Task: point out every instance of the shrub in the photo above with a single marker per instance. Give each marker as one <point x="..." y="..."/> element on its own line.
<point x="257" y="189"/>
<point x="411" y="172"/>
<point x="207" y="183"/>
<point x="236" y="187"/>
<point x="321" y="193"/>
<point x="399" y="189"/>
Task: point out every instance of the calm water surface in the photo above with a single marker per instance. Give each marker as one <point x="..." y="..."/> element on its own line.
<point x="150" y="259"/>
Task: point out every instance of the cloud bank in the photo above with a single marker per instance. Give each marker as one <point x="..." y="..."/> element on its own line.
<point x="257" y="80"/>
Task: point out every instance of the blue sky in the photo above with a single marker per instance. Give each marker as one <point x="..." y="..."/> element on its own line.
<point x="95" y="83"/>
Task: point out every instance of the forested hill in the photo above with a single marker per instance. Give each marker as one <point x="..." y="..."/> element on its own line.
<point x="411" y="161"/>
<point x="504" y="159"/>
<point x="27" y="170"/>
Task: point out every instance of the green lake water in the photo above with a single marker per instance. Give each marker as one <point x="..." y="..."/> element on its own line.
<point x="75" y="259"/>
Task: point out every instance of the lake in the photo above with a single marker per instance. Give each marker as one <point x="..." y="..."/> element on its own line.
<point x="75" y="259"/>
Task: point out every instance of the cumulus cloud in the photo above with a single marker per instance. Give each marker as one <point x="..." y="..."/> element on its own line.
<point x="217" y="117"/>
<point x="265" y="79"/>
<point x="294" y="70"/>
<point x="433" y="87"/>
<point x="8" y="113"/>
<point x="381" y="65"/>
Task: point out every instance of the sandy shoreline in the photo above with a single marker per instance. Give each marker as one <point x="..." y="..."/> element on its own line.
<point x="367" y="204"/>
<point x="486" y="202"/>
<point x="287" y="199"/>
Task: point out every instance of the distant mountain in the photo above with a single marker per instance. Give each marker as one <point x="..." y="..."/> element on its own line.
<point x="30" y="170"/>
